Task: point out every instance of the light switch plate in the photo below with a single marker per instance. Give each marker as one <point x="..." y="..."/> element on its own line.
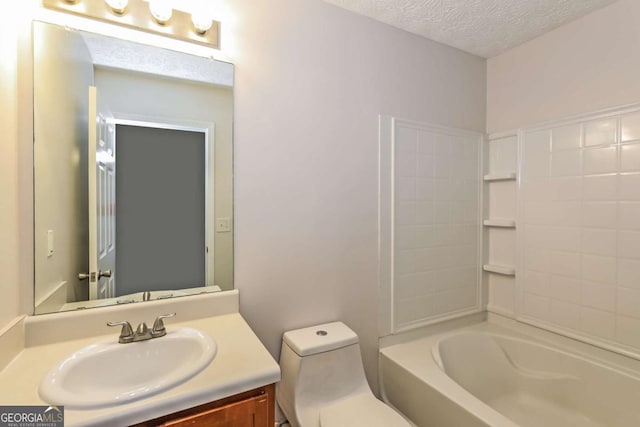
<point x="49" y="243"/>
<point x="223" y="225"/>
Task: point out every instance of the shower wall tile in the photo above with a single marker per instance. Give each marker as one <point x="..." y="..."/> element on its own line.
<point x="600" y="214"/>
<point x="629" y="187"/>
<point x="564" y="189"/>
<point x="598" y="323"/>
<point x="627" y="331"/>
<point x="436" y="224"/>
<point x="579" y="221"/>
<point x="503" y="154"/>
<point x="565" y="314"/>
<point x="425" y="190"/>
<point x="563" y="263"/>
<point x="566" y="138"/>
<point x="406" y="161"/>
<point x="537" y="282"/>
<point x="630" y="158"/>
<point x="425" y="165"/>
<point x="406" y="213"/>
<point x="629" y="244"/>
<point x="629" y="215"/>
<point x="565" y="288"/>
<point x="600" y="188"/>
<point x="629" y="302"/>
<point x="566" y="163"/>
<point x="406" y="262"/>
<point x="537" y="164"/>
<point x="600" y="132"/>
<point x="599" y="269"/>
<point x="599" y="241"/>
<point x="424" y="213"/>
<point x="537" y="306"/>
<point x="539" y="259"/>
<point x="599" y="296"/>
<point x="630" y="125"/>
<point x="406" y="189"/>
<point x="600" y="160"/>
<point x="629" y="273"/>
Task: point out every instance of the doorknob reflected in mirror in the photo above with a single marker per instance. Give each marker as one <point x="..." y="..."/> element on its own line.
<point x="101" y="274"/>
<point x="106" y="273"/>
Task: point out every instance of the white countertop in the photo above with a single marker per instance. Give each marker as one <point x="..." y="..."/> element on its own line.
<point x="242" y="363"/>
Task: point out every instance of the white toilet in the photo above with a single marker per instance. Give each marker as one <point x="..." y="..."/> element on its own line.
<point x="323" y="382"/>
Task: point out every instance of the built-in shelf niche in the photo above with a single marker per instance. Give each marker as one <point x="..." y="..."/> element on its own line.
<point x="500" y="213"/>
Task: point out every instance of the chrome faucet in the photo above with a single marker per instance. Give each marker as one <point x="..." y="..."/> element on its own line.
<point x="142" y="332"/>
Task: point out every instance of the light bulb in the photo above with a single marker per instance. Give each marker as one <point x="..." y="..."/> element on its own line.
<point x="117" y="6"/>
<point x="161" y="10"/>
<point x="202" y="22"/>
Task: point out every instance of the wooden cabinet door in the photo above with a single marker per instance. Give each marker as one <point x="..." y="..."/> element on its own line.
<point x="251" y="412"/>
<point x="253" y="408"/>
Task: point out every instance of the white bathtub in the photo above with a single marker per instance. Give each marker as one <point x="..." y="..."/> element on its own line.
<point x="505" y="375"/>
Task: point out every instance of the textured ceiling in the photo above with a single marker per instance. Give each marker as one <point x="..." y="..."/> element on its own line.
<point x="126" y="55"/>
<point x="483" y="27"/>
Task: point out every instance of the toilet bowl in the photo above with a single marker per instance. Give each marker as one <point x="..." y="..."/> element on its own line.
<point x="323" y="382"/>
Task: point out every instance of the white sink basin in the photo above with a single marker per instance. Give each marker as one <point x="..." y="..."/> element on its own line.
<point x="108" y="373"/>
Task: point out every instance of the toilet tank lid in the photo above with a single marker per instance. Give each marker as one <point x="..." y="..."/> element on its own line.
<point x="321" y="338"/>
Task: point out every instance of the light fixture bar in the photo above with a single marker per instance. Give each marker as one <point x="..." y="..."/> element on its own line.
<point x="138" y="16"/>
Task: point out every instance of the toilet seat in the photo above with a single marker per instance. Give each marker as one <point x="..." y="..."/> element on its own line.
<point x="361" y="410"/>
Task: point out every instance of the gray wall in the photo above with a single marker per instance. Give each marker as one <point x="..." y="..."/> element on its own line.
<point x="160" y="209"/>
<point x="311" y="80"/>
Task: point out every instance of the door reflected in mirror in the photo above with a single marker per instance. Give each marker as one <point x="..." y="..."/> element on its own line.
<point x="133" y="171"/>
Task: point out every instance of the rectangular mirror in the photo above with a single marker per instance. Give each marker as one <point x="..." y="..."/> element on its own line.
<point x="133" y="171"/>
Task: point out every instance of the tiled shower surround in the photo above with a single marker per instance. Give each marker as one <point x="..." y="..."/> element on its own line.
<point x="436" y="223"/>
<point x="579" y="229"/>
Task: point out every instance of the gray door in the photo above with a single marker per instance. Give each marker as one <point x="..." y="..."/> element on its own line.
<point x="160" y="209"/>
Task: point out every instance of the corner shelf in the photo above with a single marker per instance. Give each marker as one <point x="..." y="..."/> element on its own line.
<point x="500" y="223"/>
<point x="500" y="176"/>
<point x="504" y="270"/>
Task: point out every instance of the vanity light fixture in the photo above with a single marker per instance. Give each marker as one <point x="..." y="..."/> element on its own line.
<point x="201" y="22"/>
<point x="153" y="16"/>
<point x="161" y="11"/>
<point x="117" y="6"/>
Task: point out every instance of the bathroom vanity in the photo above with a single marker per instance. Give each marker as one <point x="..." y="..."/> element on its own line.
<point x="210" y="368"/>
<point x="254" y="408"/>
<point x="235" y="388"/>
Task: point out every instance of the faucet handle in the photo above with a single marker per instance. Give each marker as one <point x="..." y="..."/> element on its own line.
<point x="158" y="329"/>
<point x="126" y="334"/>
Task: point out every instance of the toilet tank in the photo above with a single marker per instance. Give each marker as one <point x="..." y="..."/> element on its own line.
<point x="319" y="365"/>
